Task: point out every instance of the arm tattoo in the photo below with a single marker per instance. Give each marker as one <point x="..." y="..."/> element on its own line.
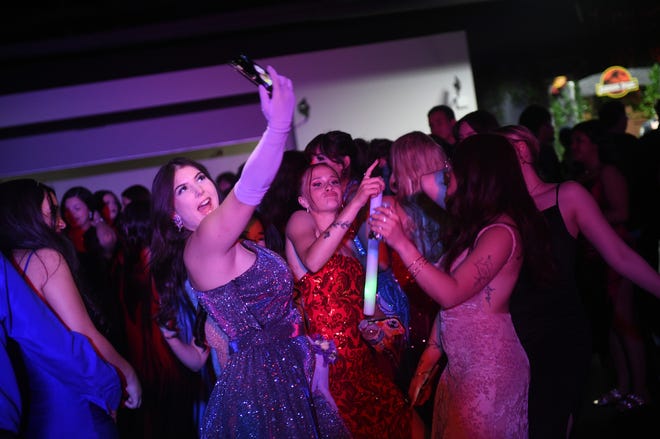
<point x="484" y="267"/>
<point x="488" y="290"/>
<point x="342" y="224"/>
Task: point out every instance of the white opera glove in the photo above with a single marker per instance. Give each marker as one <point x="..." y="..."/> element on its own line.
<point x="262" y="165"/>
<point x="278" y="109"/>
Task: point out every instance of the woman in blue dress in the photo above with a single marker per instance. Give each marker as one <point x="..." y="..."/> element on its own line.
<point x="53" y="383"/>
<point x="268" y="386"/>
<point x="30" y="238"/>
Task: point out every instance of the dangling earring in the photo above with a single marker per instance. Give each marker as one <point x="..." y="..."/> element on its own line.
<point x="178" y="222"/>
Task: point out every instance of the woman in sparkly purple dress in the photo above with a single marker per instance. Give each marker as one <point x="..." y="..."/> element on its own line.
<point x="269" y="385"/>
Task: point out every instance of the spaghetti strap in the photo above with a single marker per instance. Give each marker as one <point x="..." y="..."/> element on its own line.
<point x="27" y="262"/>
<point x="508" y="227"/>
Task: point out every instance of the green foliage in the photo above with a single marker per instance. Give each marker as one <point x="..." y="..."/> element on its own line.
<point x="567" y="108"/>
<point x="651" y="92"/>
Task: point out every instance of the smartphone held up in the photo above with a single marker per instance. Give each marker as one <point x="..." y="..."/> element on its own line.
<point x="252" y="71"/>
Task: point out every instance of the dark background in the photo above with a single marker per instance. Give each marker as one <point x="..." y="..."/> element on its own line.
<point x="75" y="41"/>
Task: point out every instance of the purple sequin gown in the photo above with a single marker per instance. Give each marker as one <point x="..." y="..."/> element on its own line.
<point x="264" y="390"/>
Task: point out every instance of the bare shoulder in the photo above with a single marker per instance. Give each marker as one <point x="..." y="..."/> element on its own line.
<point x="43" y="263"/>
<point x="497" y="244"/>
<point x="299" y="214"/>
<point x="50" y="258"/>
<point x="577" y="205"/>
<point x="572" y="192"/>
<point x="504" y="228"/>
<point x="499" y="234"/>
<point x="300" y="218"/>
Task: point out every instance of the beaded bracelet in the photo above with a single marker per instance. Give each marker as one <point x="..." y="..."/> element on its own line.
<point x="414" y="262"/>
<point x="416" y="266"/>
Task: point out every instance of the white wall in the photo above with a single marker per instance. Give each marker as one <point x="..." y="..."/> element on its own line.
<point x="376" y="90"/>
<point x="121" y="179"/>
<point x="381" y="90"/>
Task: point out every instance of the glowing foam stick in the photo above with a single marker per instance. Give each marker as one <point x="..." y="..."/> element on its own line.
<point x="371" y="275"/>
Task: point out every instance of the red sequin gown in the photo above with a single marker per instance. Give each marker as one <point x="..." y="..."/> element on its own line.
<point x="370" y="403"/>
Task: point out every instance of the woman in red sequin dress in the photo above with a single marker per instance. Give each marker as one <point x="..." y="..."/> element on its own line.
<point x="331" y="282"/>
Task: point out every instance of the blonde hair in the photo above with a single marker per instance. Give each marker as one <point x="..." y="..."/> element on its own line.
<point x="413" y="155"/>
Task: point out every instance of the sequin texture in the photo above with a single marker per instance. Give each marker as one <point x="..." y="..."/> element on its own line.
<point x="369" y="401"/>
<point x="264" y="390"/>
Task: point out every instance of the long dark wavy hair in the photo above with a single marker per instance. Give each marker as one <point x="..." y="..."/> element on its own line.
<point x="91" y="240"/>
<point x="336" y="145"/>
<point x="98" y="196"/>
<point x="489" y="183"/>
<point x="281" y="200"/>
<point x="22" y="223"/>
<point x="134" y="228"/>
<point x="595" y="130"/>
<point x="86" y="196"/>
<point x="167" y="244"/>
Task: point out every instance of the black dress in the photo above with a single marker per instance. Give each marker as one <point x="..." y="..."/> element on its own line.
<point x="554" y="332"/>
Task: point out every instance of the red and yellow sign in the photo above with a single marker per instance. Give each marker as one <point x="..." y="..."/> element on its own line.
<point x="557" y="84"/>
<point x="616" y="82"/>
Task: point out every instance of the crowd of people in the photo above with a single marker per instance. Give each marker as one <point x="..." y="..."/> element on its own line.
<point x="234" y="307"/>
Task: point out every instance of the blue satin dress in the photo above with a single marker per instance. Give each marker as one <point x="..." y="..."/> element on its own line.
<point x="53" y="384"/>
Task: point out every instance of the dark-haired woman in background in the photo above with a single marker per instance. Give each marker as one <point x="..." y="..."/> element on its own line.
<point x="85" y="225"/>
<point x="610" y="296"/>
<point x="476" y="122"/>
<point x="552" y="319"/>
<point x="135" y="192"/>
<point x="95" y="243"/>
<point x="110" y="206"/>
<point x="281" y="200"/>
<point x="170" y="390"/>
<point x="30" y="236"/>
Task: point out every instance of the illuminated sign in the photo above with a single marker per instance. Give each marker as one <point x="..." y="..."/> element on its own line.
<point x="616" y="82"/>
<point x="557" y="84"/>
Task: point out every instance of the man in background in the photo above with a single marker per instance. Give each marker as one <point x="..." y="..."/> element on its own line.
<point x="441" y="122"/>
